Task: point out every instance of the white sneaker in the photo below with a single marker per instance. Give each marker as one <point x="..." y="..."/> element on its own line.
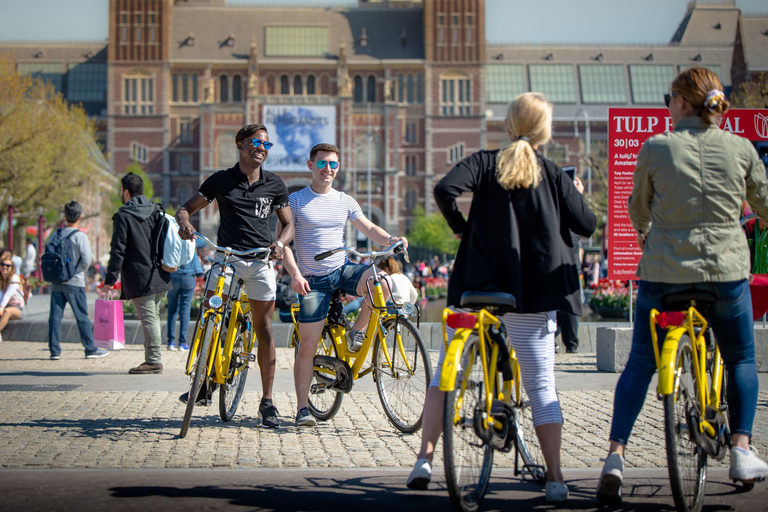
<point x="609" y="486"/>
<point x="556" y="492"/>
<point x="420" y="475"/>
<point x="746" y="465"/>
<point x="355" y="339"/>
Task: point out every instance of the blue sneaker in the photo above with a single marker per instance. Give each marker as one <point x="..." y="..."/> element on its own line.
<point x="184" y="347"/>
<point x="172" y="347"/>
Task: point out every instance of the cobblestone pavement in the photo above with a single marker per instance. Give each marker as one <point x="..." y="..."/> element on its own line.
<point x="137" y="425"/>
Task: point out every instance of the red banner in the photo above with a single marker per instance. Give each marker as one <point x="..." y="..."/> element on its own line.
<point x="628" y="129"/>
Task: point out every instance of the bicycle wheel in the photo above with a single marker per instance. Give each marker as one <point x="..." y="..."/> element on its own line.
<point x="402" y="387"/>
<point x="231" y="392"/>
<point x="686" y="461"/>
<point x="323" y="403"/>
<point x="527" y="442"/>
<point x="468" y="461"/>
<point x="200" y="373"/>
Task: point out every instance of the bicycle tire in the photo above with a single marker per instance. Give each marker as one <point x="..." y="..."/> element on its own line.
<point x="323" y="403"/>
<point x="402" y="392"/>
<point x="468" y="460"/>
<point x="200" y="374"/>
<point x="527" y="446"/>
<point x="231" y="392"/>
<point x="687" y="463"/>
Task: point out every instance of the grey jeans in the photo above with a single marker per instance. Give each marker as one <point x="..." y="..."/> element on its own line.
<point x="148" y="311"/>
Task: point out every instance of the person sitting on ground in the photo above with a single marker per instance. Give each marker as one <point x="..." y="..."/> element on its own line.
<point x="11" y="292"/>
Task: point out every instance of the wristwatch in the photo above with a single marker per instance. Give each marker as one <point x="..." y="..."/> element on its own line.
<point x="279" y="243"/>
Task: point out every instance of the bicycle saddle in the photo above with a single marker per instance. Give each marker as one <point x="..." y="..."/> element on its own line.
<point x="477" y="300"/>
<point x="679" y="301"/>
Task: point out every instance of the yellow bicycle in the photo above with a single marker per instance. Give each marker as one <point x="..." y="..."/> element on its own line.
<point x="400" y="363"/>
<point x="479" y="418"/>
<point x="691" y="382"/>
<point x="216" y="361"/>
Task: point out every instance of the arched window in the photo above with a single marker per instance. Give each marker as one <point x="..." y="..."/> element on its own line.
<point x="184" y="87"/>
<point x="284" y="86"/>
<point x="410" y="88"/>
<point x="237" y="88"/>
<point x="358" y="95"/>
<point x="298" y="87"/>
<point x="175" y="87"/>
<point x="227" y="150"/>
<point x="311" y="84"/>
<point x="223" y="88"/>
<point x="371" y="89"/>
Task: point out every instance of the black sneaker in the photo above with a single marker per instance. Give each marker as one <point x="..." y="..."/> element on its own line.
<point x="268" y="413"/>
<point x="304" y="418"/>
<point x="100" y="352"/>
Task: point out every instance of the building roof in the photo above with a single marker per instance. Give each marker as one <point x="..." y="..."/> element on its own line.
<point x="51" y="51"/>
<point x="754" y="38"/>
<point x="707" y="24"/>
<point x="390" y="33"/>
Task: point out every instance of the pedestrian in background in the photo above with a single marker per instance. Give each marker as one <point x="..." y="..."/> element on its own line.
<point x="29" y="264"/>
<point x="132" y="256"/>
<point x="73" y="291"/>
<point x="180" y="301"/>
<point x="11" y="291"/>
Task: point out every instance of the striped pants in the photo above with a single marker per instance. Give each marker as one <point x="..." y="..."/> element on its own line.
<point x="532" y="336"/>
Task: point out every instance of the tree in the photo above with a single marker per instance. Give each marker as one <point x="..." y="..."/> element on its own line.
<point x="149" y="188"/>
<point x="432" y="232"/>
<point x="751" y="94"/>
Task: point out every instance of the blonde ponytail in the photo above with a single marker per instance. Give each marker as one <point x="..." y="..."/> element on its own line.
<point x="518" y="166"/>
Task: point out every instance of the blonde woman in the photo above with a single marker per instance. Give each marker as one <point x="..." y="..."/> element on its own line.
<point x="11" y="292"/>
<point x="402" y="288"/>
<point x="516" y="240"/>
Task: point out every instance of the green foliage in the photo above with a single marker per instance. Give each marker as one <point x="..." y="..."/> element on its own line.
<point x="432" y="232"/>
<point x="751" y="94"/>
<point x="759" y="245"/>
<point x="149" y="189"/>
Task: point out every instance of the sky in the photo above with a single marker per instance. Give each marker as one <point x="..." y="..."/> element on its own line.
<point x="557" y="21"/>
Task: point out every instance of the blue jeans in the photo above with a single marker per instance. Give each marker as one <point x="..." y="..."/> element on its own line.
<point x="180" y="301"/>
<point x="75" y="295"/>
<point x="314" y="305"/>
<point x="732" y="325"/>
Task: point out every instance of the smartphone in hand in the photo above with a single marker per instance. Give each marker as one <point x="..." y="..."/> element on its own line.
<point x="570" y="170"/>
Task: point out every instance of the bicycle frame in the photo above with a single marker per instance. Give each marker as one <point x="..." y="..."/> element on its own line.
<point x="669" y="377"/>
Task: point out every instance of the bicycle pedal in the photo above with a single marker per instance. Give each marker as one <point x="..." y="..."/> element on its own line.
<point x="247" y="356"/>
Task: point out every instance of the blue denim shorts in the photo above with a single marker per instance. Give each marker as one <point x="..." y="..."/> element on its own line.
<point x="315" y="304"/>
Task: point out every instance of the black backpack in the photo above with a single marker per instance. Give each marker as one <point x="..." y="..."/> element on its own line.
<point x="58" y="262"/>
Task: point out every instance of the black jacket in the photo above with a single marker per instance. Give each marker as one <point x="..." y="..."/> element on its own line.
<point x="133" y="251"/>
<point x="516" y="241"/>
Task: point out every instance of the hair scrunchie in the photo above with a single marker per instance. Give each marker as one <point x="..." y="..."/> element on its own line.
<point x="713" y="98"/>
<point x="524" y="138"/>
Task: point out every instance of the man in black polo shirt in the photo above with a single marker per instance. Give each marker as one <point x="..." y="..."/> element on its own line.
<point x="247" y="195"/>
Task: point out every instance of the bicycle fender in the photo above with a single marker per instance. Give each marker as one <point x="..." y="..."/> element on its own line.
<point x="667" y="360"/>
<point x="452" y="359"/>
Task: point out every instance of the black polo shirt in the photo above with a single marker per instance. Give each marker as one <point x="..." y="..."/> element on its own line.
<point x="245" y="209"/>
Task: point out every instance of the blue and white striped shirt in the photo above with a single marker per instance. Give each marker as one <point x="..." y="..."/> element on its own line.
<point x="319" y="220"/>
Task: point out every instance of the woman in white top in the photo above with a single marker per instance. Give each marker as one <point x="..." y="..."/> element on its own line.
<point x="11" y="292"/>
<point x="402" y="288"/>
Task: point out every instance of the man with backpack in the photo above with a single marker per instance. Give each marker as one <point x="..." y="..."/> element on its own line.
<point x="135" y="254"/>
<point x="67" y="257"/>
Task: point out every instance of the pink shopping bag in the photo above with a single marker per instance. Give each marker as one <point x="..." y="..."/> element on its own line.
<point x="108" y="326"/>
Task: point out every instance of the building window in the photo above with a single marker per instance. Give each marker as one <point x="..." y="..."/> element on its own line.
<point x="503" y="82"/>
<point x="602" y="84"/>
<point x="284" y="85"/>
<point x="185" y="131"/>
<point x="185" y="164"/>
<point x="237" y="88"/>
<point x="49" y="72"/>
<point x="296" y="41"/>
<point x="456" y="96"/>
<point x="185" y="192"/>
<point x="87" y="81"/>
<point x="410" y="198"/>
<point x="712" y="67"/>
<point x="358" y="93"/>
<point x="410" y="165"/>
<point x="650" y="83"/>
<point x="410" y="131"/>
<point x="175" y="87"/>
<point x="410" y="89"/>
<point x="223" y="88"/>
<point x="138" y="34"/>
<point x="184" y="88"/>
<point x="441" y="29"/>
<point x="468" y="19"/>
<point x="455" y="152"/>
<point x="138" y="97"/>
<point x="556" y="81"/>
<point x="139" y="153"/>
<point x="311" y="85"/>
<point x="371" y="89"/>
<point x="193" y="79"/>
<point x="419" y="89"/>
<point x="298" y="87"/>
<point x="123" y="34"/>
<point x="152" y="34"/>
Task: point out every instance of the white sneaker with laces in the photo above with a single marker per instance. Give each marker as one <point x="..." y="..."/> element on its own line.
<point x="556" y="492"/>
<point x="609" y="486"/>
<point x="420" y="475"/>
<point x="355" y="339"/>
<point x="746" y="465"/>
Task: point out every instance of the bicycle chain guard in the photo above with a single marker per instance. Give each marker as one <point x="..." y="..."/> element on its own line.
<point x="342" y="382"/>
<point x="713" y="447"/>
<point x="502" y="440"/>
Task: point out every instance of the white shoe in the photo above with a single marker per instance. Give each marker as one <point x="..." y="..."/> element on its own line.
<point x="556" y="492"/>
<point x="609" y="486"/>
<point x="420" y="475"/>
<point x="746" y="465"/>
<point x="355" y="339"/>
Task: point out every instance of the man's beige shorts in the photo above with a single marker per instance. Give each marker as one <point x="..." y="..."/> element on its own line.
<point x="258" y="277"/>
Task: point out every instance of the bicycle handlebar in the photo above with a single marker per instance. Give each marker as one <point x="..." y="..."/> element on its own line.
<point x="373" y="254"/>
<point x="228" y="250"/>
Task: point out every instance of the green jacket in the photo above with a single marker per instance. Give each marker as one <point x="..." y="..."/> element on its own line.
<point x="689" y="185"/>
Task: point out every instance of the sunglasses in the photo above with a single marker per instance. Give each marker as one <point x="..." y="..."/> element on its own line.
<point x="668" y="98"/>
<point x="6" y="265"/>
<point x="332" y="165"/>
<point x="267" y="145"/>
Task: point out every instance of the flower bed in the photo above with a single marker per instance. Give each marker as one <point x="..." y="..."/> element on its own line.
<point x="611" y="295"/>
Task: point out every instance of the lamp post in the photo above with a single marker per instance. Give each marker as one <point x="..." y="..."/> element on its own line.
<point x="368" y="136"/>
<point x="589" y="151"/>
<point x="11" y="209"/>
<point x="40" y="224"/>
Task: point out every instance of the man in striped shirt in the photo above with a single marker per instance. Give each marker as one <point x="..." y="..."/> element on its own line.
<point x="320" y="214"/>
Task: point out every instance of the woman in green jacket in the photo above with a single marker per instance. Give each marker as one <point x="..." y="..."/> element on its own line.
<point x="689" y="185"/>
